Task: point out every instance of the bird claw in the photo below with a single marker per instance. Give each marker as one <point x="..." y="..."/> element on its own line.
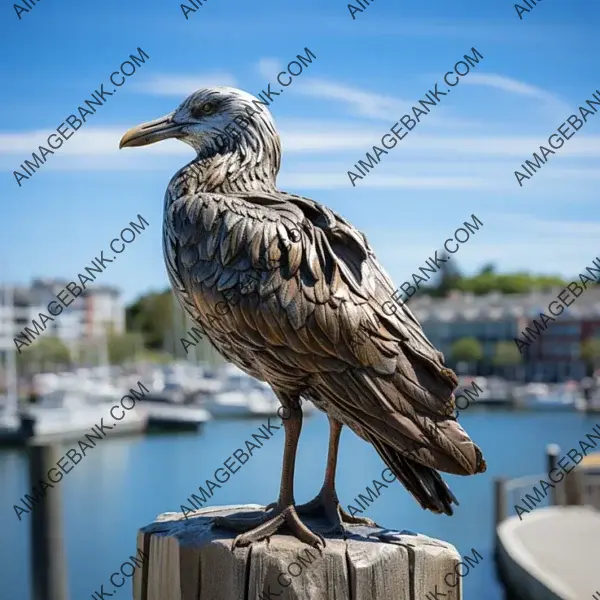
<point x="329" y="505"/>
<point x="258" y="528"/>
<point x="352" y="520"/>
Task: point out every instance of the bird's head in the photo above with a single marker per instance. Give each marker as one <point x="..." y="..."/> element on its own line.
<point x="221" y="123"/>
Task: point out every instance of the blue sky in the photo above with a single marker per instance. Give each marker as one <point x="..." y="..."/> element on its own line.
<point x="460" y="160"/>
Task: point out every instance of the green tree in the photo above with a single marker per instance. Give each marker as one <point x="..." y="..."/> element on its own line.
<point x="155" y="356"/>
<point x="151" y="315"/>
<point x="487" y="280"/>
<point x="44" y="354"/>
<point x="590" y="352"/>
<point x="507" y="355"/>
<point x="467" y="350"/>
<point x="448" y="277"/>
<point x="122" y="347"/>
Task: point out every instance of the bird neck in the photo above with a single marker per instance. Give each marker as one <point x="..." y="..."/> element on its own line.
<point x="231" y="172"/>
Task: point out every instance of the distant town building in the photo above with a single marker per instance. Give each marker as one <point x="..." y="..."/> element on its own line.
<point x="96" y="310"/>
<point x="554" y="355"/>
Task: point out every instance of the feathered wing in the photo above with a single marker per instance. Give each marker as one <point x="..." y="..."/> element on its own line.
<point x="432" y="439"/>
<point x="304" y="296"/>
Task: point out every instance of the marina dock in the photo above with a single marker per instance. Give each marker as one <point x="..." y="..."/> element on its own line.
<point x="552" y="552"/>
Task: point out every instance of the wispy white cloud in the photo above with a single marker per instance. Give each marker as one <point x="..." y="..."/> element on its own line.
<point x="94" y="141"/>
<point x="554" y="228"/>
<point x="98" y="148"/>
<point x="552" y="102"/>
<point x="336" y="180"/>
<point x="371" y="105"/>
<point x="268" y="68"/>
<point x="495" y="180"/>
<point x="329" y="137"/>
<point x="520" y="147"/>
<point x="183" y="85"/>
<point x="360" y="102"/>
<point x="364" y="103"/>
<point x="304" y="136"/>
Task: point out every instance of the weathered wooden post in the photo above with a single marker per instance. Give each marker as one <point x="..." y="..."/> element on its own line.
<point x="572" y="486"/>
<point x="500" y="505"/>
<point x="190" y="560"/>
<point x="590" y="480"/>
<point x="48" y="563"/>
<point x="500" y="508"/>
<point x="557" y="492"/>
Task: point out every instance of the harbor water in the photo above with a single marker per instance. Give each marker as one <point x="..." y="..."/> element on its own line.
<point x="124" y="483"/>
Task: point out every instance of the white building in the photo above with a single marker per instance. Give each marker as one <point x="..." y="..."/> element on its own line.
<point x="97" y="310"/>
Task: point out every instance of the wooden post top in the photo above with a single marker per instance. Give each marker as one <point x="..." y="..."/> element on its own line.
<point x="190" y="560"/>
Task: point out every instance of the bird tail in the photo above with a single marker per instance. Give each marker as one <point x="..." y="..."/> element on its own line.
<point x="424" y="483"/>
<point x="447" y="447"/>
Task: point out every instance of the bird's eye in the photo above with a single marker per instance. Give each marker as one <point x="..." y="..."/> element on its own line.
<point x="204" y="110"/>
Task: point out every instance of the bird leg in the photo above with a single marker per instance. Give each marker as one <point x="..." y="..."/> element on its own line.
<point x="283" y="512"/>
<point x="326" y="500"/>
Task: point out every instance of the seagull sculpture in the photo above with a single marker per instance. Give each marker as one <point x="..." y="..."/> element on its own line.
<point x="284" y="287"/>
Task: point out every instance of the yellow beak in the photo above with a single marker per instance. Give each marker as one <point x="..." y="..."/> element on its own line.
<point x="151" y="132"/>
